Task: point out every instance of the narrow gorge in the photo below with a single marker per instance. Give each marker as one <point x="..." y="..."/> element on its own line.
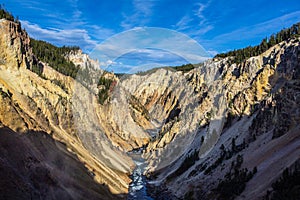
<point x="222" y="130"/>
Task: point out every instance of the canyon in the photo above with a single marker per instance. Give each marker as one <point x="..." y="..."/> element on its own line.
<point x="197" y="132"/>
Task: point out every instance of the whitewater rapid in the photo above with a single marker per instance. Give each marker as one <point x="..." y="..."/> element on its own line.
<point x="138" y="186"/>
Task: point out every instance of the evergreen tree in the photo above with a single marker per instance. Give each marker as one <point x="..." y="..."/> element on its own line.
<point x="55" y="56"/>
<point x="242" y="54"/>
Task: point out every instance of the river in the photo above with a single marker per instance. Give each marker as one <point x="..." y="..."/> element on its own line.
<point x="138" y="186"/>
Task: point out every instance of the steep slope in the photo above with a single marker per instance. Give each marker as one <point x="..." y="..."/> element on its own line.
<point x="213" y="132"/>
<point x="34" y="166"/>
<point x="221" y="120"/>
<point x="33" y="103"/>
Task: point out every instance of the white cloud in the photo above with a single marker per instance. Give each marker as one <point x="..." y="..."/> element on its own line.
<point x="259" y="29"/>
<point x="203" y="30"/>
<point x="140" y="16"/>
<point x="152" y="45"/>
<point x="183" y="23"/>
<point x="148" y="38"/>
<point x="31" y="4"/>
<point x="86" y="37"/>
<point x="60" y="36"/>
<point x="144" y="7"/>
<point x="64" y="28"/>
<point x="199" y="12"/>
<point x="99" y="32"/>
<point x="188" y="21"/>
<point x="106" y="63"/>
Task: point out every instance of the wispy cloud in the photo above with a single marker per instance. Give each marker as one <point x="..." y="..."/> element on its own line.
<point x="60" y="36"/>
<point x="144" y="59"/>
<point x="203" y="30"/>
<point x="68" y="27"/>
<point x="249" y="35"/>
<point x="76" y="18"/>
<point x="259" y="30"/>
<point x="183" y="23"/>
<point x="199" y="12"/>
<point x="140" y="16"/>
<point x="31" y="4"/>
<point x="188" y="21"/>
<point x="150" y="45"/>
<point x="98" y="32"/>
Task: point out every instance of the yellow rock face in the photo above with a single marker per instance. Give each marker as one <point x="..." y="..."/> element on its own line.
<point x="32" y="103"/>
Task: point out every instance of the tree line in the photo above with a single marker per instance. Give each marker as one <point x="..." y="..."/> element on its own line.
<point x="4" y="14"/>
<point x="55" y="56"/>
<point x="242" y="54"/>
<point x="46" y="52"/>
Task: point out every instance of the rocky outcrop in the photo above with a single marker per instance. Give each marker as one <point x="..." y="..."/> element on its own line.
<point x="236" y="113"/>
<point x="44" y="103"/>
<point x="220" y="124"/>
<point x="15" y="48"/>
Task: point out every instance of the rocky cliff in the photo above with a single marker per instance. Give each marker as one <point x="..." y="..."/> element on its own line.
<point x="211" y="133"/>
<point x="223" y="124"/>
<point x="33" y="103"/>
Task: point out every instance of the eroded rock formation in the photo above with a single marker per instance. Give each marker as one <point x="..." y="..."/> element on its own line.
<point x="219" y="124"/>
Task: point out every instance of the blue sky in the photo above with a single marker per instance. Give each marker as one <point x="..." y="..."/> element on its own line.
<point x="217" y="25"/>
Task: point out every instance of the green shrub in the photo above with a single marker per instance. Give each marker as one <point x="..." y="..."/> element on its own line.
<point x="104" y="85"/>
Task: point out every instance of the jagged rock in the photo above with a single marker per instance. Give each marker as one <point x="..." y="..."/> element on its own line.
<point x="194" y="127"/>
<point x="36" y="103"/>
<point x="260" y="95"/>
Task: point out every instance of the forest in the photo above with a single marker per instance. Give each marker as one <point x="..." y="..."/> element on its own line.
<point x="4" y="14"/>
<point x="46" y="52"/>
<point x="55" y="56"/>
<point x="242" y="54"/>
